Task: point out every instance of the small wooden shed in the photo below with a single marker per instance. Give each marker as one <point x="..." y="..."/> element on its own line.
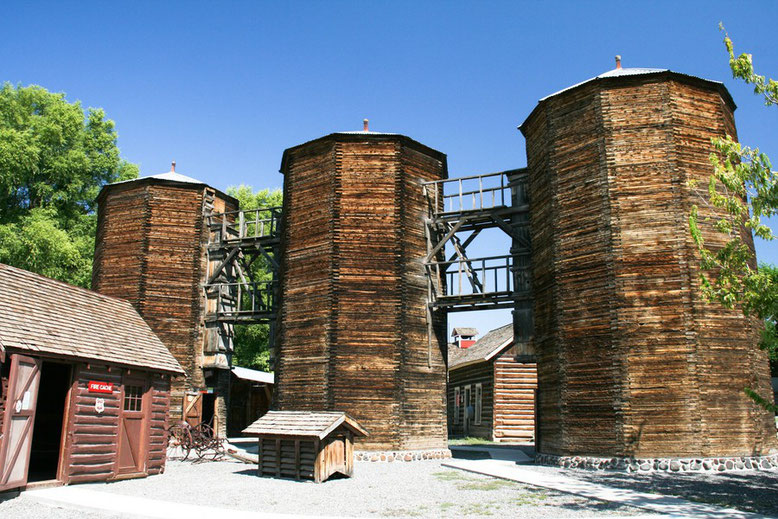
<point x="305" y="444"/>
<point x="84" y="385"/>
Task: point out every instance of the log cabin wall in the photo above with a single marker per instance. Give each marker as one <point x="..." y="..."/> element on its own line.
<point x="91" y="440"/>
<point x="150" y="250"/>
<point x="515" y="384"/>
<point x="481" y="373"/>
<point x="353" y="331"/>
<point x="632" y="361"/>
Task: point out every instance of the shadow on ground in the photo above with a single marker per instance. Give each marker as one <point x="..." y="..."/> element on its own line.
<point x="750" y="491"/>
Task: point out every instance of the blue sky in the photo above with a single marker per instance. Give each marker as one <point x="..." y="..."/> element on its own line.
<point x="223" y="88"/>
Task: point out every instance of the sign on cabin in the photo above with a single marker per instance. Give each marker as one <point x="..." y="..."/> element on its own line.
<point x="100" y="387"/>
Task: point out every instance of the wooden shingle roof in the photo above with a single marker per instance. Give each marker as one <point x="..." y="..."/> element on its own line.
<point x="483" y="350"/>
<point x="41" y="315"/>
<point x="314" y="424"/>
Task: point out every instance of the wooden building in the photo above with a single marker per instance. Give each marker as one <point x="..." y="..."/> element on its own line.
<point x="84" y="385"/>
<point x="251" y="394"/>
<point x="354" y="334"/>
<point x="151" y="249"/>
<point x="632" y="361"/>
<point x="491" y="394"/>
<point x="305" y="445"/>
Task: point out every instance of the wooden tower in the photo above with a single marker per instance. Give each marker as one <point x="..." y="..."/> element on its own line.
<point x="632" y="360"/>
<point x="150" y="249"/>
<point x="353" y="329"/>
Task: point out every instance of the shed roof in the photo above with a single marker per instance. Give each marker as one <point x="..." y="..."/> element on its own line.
<point x="467" y="332"/>
<point x="42" y="315"/>
<point x="484" y="349"/>
<point x="314" y="424"/>
<point x="253" y="375"/>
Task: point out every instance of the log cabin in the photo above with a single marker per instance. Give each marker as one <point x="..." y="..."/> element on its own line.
<point x="84" y="385"/>
<point x="491" y="393"/>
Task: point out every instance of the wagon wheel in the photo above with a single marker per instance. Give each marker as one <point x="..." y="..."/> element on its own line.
<point x="186" y="441"/>
<point x="204" y="439"/>
<point x="179" y="436"/>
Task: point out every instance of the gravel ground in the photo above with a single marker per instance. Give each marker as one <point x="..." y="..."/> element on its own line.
<point x="25" y="508"/>
<point x="751" y="491"/>
<point x="419" y="489"/>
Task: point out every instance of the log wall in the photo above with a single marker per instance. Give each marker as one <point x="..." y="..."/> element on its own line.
<point x="515" y="384"/>
<point x="353" y="331"/>
<point x="632" y="360"/>
<point x="91" y="438"/>
<point x="150" y="250"/>
<point x="481" y="373"/>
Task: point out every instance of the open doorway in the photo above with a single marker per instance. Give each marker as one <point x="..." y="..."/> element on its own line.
<point x="49" y="420"/>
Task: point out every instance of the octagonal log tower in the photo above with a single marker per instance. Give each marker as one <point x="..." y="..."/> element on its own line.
<point x="150" y="249"/>
<point x="633" y="362"/>
<point x="353" y="332"/>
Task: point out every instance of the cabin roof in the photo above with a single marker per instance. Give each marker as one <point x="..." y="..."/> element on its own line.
<point x="314" y="424"/>
<point x="253" y="375"/>
<point x="45" y="316"/>
<point x="467" y="332"/>
<point x="483" y="350"/>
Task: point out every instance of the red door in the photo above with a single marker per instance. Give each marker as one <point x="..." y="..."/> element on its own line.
<point x="19" y="418"/>
<point x="133" y="427"/>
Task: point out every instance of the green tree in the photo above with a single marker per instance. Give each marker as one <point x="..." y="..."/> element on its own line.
<point x="252" y="341"/>
<point x="54" y="158"/>
<point x="744" y="188"/>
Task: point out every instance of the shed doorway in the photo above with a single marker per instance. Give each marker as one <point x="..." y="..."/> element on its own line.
<point x="49" y="422"/>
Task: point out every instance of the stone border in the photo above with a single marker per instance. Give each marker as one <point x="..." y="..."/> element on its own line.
<point x="388" y="456"/>
<point x="647" y="465"/>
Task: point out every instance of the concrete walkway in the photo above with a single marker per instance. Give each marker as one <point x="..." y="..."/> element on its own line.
<point x="656" y="503"/>
<point x="131" y="507"/>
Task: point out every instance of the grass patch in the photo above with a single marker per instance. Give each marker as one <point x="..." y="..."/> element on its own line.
<point x="446" y="506"/>
<point x="404" y="512"/>
<point x="470" y="440"/>
<point x="530" y="499"/>
<point x="452" y="475"/>
<point x="486" y="484"/>
<point x="478" y="509"/>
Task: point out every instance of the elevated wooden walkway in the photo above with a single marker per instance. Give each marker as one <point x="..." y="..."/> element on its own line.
<point x="459" y="209"/>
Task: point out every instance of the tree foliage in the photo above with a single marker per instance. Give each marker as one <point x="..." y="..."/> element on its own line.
<point x="252" y="341"/>
<point x="744" y="189"/>
<point x="54" y="158"/>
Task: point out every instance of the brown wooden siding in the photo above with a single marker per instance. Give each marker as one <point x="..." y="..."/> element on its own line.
<point x="91" y="440"/>
<point x="515" y="384"/>
<point x="353" y="331"/>
<point x="150" y="250"/>
<point x="481" y="373"/>
<point x="631" y="360"/>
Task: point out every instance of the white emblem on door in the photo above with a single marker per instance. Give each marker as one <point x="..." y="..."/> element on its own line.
<point x="99" y="405"/>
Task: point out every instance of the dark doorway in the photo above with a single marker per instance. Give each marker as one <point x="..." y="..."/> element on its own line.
<point x="209" y="408"/>
<point x="47" y="429"/>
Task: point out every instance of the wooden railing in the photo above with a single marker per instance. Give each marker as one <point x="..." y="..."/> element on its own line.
<point x="241" y="299"/>
<point x="245" y="224"/>
<point x="489" y="275"/>
<point x="474" y="193"/>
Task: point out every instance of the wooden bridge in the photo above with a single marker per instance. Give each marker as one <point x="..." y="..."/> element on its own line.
<point x="239" y="241"/>
<point x="459" y="209"/>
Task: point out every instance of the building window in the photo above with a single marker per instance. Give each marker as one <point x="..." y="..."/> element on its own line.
<point x="479" y="393"/>
<point x="133" y="398"/>
<point x="457" y="404"/>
